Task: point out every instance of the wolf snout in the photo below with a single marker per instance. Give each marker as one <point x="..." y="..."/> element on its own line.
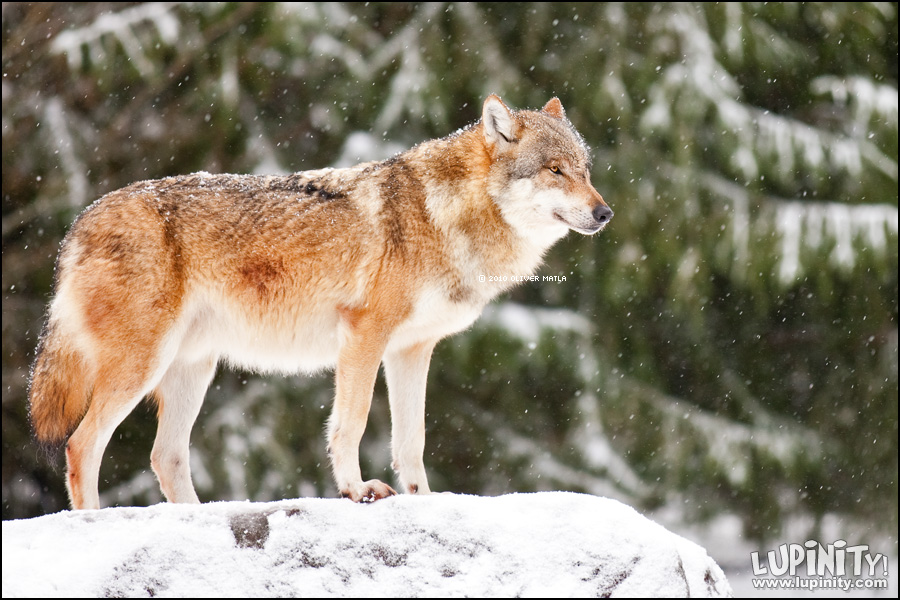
<point x="602" y="214"/>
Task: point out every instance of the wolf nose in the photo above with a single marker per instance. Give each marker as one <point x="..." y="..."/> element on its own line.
<point x="602" y="213"/>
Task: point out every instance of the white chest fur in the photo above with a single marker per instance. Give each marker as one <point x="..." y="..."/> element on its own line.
<point x="433" y="317"/>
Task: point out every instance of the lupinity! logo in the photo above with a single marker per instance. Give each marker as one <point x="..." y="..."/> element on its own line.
<point x="812" y="565"/>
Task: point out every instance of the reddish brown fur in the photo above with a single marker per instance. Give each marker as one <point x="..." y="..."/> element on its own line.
<point x="60" y="392"/>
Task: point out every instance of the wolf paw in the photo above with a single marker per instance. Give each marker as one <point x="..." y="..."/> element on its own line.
<point x="368" y="491"/>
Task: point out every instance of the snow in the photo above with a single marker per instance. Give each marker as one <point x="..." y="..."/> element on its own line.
<point x="527" y="323"/>
<point x="831" y="223"/>
<point x="549" y="544"/>
<point x="362" y="146"/>
<point x="123" y="25"/>
<point x="60" y="138"/>
<point x="866" y="98"/>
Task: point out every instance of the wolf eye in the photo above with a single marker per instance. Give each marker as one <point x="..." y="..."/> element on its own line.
<point x="555" y="170"/>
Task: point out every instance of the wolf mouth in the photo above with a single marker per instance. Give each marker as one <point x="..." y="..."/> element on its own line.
<point x="586" y="230"/>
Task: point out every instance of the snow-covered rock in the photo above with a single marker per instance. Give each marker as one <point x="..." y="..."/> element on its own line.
<point x="549" y="544"/>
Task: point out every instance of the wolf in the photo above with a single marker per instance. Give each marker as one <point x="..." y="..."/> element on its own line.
<point x="159" y="281"/>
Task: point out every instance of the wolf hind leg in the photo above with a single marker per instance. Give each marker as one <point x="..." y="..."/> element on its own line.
<point x="110" y="404"/>
<point x="180" y="395"/>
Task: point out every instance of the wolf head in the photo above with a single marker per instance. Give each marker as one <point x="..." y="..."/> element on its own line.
<point x="540" y="171"/>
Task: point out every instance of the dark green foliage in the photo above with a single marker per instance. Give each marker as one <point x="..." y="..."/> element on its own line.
<point x="729" y="344"/>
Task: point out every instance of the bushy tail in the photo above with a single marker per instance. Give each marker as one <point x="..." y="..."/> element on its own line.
<point x="60" y="390"/>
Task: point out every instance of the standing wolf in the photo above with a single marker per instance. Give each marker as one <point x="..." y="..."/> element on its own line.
<point x="348" y="268"/>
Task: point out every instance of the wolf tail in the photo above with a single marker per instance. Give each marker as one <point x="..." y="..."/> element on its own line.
<point x="60" y="390"/>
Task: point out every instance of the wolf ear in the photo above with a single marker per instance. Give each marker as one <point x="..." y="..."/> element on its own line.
<point x="554" y="108"/>
<point x="498" y="121"/>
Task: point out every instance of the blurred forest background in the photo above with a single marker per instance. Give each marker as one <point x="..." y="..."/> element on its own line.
<point x="727" y="346"/>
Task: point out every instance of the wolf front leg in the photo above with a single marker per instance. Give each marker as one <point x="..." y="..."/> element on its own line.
<point x="357" y="369"/>
<point x="179" y="396"/>
<point x="407" y="372"/>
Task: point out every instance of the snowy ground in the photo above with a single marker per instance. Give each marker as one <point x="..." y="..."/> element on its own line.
<point x="550" y="544"/>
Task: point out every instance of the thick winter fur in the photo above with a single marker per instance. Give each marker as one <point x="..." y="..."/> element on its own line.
<point x="345" y="268"/>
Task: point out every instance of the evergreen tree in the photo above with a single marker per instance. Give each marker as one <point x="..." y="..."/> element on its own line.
<point x="728" y="344"/>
